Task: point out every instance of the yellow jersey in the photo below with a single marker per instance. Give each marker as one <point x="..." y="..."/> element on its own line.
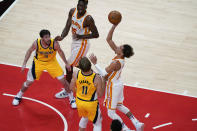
<point x="45" y="54"/>
<point x="86" y="91"/>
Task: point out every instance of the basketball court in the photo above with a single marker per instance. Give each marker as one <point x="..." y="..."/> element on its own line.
<point x="160" y="80"/>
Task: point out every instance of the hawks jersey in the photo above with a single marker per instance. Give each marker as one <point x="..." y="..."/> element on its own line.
<point x="86" y="90"/>
<point x="115" y="76"/>
<point x="77" y="24"/>
<point x="45" y="54"/>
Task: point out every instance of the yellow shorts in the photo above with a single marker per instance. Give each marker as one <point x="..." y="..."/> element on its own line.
<point x="52" y="67"/>
<point x="88" y="109"/>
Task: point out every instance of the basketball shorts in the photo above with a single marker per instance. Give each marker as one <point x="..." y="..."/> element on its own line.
<point x="52" y="67"/>
<point x="88" y="109"/>
<point x="114" y="95"/>
<point x="78" y="50"/>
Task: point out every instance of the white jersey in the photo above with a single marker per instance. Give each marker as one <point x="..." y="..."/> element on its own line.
<point x="114" y="88"/>
<point x="77" y="25"/>
<point x="115" y="76"/>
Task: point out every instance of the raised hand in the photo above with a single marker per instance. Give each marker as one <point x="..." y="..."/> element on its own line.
<point x="93" y="58"/>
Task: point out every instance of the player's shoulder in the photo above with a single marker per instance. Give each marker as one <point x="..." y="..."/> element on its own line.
<point x="72" y="10"/>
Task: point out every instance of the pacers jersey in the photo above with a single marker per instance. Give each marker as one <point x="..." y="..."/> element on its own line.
<point x="77" y="24"/>
<point x="86" y="90"/>
<point x="45" y="54"/>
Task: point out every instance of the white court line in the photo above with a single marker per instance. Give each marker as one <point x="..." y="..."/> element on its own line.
<point x="194" y="119"/>
<point x="147" y="115"/>
<point x="141" y="87"/>
<point x="49" y="106"/>
<point x="162" y="125"/>
<point x="12" y="5"/>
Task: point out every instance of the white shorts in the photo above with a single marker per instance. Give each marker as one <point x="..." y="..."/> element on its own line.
<point x="114" y="95"/>
<point x="78" y="50"/>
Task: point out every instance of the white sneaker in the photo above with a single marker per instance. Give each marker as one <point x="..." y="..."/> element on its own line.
<point x="139" y="126"/>
<point x="125" y="128"/>
<point x="73" y="103"/>
<point x="61" y="94"/>
<point x="16" y="101"/>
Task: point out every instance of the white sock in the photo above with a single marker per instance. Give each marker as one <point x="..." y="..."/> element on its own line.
<point x="134" y="120"/>
<point x="19" y="94"/>
<point x="70" y="95"/>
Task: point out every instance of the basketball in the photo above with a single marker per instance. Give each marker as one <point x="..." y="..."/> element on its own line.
<point x="114" y="17"/>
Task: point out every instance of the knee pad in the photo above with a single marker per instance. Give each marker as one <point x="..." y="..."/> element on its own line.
<point x="83" y="122"/>
<point x="123" y="108"/>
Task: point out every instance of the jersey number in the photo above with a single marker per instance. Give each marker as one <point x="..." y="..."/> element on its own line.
<point x="85" y="89"/>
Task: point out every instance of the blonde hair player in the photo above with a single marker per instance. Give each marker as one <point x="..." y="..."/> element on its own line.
<point x="88" y="86"/>
<point x="44" y="59"/>
<point x="114" y="89"/>
<point x="83" y="29"/>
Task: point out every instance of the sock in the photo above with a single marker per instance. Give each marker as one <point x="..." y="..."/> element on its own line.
<point x="134" y="120"/>
<point x="19" y="94"/>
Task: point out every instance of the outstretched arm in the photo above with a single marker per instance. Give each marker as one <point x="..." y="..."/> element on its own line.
<point x="109" y="38"/>
<point x="67" y="27"/>
<point x="100" y="85"/>
<point x="89" y="22"/>
<point x="114" y="66"/>
<point x="62" y="55"/>
<point x="28" y="54"/>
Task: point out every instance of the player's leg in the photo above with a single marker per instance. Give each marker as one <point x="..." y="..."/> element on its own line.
<point x="98" y="122"/>
<point x="33" y="73"/>
<point x="77" y="51"/>
<point x="114" y="93"/>
<point x="54" y="69"/>
<point x="138" y="125"/>
<point x="69" y="92"/>
<point x="83" y="123"/>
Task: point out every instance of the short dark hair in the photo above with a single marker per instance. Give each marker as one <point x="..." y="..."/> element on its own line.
<point x="85" y="1"/>
<point x="44" y="32"/>
<point x="84" y="64"/>
<point x="127" y="51"/>
<point x="116" y="125"/>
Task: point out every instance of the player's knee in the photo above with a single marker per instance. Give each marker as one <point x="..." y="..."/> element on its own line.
<point x="111" y="114"/>
<point x="123" y="108"/>
<point x="83" y="122"/>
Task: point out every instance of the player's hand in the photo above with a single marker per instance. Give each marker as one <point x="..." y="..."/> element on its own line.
<point x="93" y="58"/>
<point x="58" y="38"/>
<point x="23" y="68"/>
<point x="68" y="67"/>
<point x="76" y="37"/>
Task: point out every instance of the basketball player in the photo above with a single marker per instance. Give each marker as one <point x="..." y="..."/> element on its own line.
<point x="88" y="85"/>
<point x="83" y="29"/>
<point x="114" y="89"/>
<point x="44" y="59"/>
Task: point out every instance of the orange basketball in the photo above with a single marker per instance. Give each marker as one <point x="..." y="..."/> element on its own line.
<point x="114" y="17"/>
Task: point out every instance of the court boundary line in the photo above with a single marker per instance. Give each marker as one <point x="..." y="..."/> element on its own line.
<point x="129" y="85"/>
<point x="47" y="105"/>
<point x="162" y="125"/>
<point x="11" y="6"/>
